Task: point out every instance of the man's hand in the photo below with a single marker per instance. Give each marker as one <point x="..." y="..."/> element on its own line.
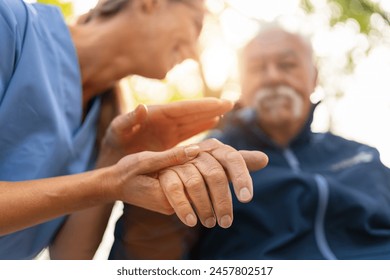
<point x="201" y="185"/>
<point x="160" y="127"/>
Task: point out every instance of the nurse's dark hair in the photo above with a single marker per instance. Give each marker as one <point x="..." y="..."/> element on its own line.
<point x="111" y="7"/>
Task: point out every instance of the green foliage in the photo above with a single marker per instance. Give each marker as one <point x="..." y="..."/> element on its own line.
<point x="358" y="10"/>
<point x="307" y="6"/>
<point x="65" y="6"/>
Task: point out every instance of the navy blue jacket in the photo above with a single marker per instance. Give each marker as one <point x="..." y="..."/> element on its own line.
<point x="323" y="197"/>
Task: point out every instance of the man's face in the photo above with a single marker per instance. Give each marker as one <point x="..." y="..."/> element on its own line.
<point x="168" y="36"/>
<point x="278" y="77"/>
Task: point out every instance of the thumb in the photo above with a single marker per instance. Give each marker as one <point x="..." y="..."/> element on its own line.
<point x="254" y="160"/>
<point x="155" y="161"/>
<point x="129" y="122"/>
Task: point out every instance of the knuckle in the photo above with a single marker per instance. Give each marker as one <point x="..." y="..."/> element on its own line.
<point x="217" y="176"/>
<point x="182" y="204"/>
<point x="174" y="157"/>
<point x="241" y="178"/>
<point x="233" y="155"/>
<point x="224" y="203"/>
<point x="235" y="160"/>
<point x="193" y="183"/>
<point x="142" y="162"/>
<point x="202" y="156"/>
<point x="214" y="142"/>
<point x="173" y="188"/>
<point x="211" y="143"/>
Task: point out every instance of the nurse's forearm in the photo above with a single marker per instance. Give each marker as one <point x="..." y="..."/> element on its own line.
<point x="82" y="233"/>
<point x="28" y="203"/>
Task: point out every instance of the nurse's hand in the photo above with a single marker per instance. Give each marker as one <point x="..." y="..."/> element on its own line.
<point x="135" y="177"/>
<point x="160" y="127"/>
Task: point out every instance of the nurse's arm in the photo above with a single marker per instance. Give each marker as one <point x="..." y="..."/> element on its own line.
<point x="28" y="203"/>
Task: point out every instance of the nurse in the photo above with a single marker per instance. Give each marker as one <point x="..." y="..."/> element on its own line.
<point x="57" y="186"/>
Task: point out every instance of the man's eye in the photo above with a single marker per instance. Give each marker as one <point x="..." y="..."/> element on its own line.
<point x="257" y="68"/>
<point x="287" y="65"/>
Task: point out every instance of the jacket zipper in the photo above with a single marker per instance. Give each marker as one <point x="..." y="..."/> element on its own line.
<point x="323" y="197"/>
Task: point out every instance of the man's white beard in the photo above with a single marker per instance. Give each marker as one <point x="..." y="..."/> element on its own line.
<point x="274" y="96"/>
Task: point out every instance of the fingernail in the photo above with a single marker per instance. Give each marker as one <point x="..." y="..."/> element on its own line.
<point x="190" y="220"/>
<point x="225" y="221"/>
<point x="192" y="151"/>
<point x="136" y="110"/>
<point x="245" y="195"/>
<point x="210" y="222"/>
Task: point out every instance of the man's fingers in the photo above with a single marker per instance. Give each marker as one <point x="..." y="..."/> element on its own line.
<point x="196" y="190"/>
<point x="236" y="164"/>
<point x="174" y="191"/>
<point x="218" y="187"/>
<point x="155" y="161"/>
<point x="255" y="160"/>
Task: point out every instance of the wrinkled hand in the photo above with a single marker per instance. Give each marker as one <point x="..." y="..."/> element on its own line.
<point x="201" y="185"/>
<point x="160" y="127"/>
<point x="185" y="180"/>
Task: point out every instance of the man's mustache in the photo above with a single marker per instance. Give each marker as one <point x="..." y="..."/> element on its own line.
<point x="281" y="91"/>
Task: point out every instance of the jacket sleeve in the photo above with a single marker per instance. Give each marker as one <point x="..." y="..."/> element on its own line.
<point x="147" y="235"/>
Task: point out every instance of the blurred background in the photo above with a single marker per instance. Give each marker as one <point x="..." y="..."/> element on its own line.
<point x="351" y="40"/>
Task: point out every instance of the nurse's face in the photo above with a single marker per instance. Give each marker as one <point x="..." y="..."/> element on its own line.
<point x="167" y="33"/>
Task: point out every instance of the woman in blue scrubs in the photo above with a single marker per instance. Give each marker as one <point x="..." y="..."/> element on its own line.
<point x="56" y="187"/>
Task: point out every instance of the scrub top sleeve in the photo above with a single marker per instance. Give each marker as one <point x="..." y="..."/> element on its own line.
<point x="8" y="45"/>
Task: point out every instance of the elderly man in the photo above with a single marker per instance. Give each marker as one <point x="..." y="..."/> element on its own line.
<point x="320" y="197"/>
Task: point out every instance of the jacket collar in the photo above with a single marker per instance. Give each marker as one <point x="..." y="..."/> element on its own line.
<point x="247" y="118"/>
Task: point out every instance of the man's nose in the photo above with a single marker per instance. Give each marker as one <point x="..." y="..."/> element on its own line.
<point x="272" y="75"/>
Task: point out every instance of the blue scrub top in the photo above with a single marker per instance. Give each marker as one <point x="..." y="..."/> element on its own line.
<point x="42" y="133"/>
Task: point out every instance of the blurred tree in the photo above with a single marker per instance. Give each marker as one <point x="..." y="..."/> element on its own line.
<point x="373" y="22"/>
<point x="359" y="10"/>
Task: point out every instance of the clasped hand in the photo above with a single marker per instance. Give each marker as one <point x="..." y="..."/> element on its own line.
<point x="190" y="181"/>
